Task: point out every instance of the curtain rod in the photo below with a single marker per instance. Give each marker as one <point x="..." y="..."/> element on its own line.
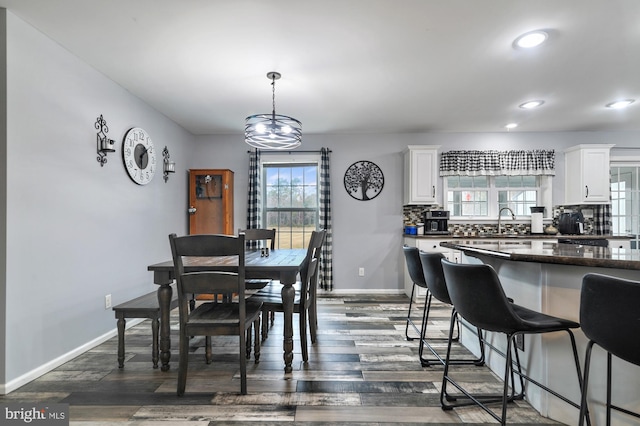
<point x="625" y="147"/>
<point x="290" y="152"/>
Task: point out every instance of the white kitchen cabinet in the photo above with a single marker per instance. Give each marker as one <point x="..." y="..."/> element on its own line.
<point x="620" y="244"/>
<point x="587" y="174"/>
<point x="421" y="174"/>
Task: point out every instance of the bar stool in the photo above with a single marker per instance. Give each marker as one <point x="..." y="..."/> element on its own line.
<point x="477" y="295"/>
<point x="434" y="278"/>
<point x="414" y="266"/>
<point x="609" y="317"/>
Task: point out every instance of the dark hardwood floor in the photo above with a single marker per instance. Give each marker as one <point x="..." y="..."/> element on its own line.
<point x="362" y="371"/>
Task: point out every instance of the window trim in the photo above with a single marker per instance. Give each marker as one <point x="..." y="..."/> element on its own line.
<point x="288" y="159"/>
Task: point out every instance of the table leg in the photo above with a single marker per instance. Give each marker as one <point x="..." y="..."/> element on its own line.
<point x="288" y="294"/>
<point x="165" y="293"/>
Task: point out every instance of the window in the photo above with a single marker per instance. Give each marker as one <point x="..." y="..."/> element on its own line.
<point x="625" y="193"/>
<point x="484" y="196"/>
<point x="290" y="201"/>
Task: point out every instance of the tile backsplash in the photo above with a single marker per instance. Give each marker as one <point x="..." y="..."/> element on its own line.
<point x="414" y="214"/>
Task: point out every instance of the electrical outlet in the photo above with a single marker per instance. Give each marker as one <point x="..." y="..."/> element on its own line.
<point x="361" y="272"/>
<point x="107" y="301"/>
<point x="520" y="342"/>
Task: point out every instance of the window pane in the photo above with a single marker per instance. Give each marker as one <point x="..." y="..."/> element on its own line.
<point x="481" y="181"/>
<point x="453" y="182"/>
<point x="271" y="220"/>
<point x="297" y="192"/>
<point x="529" y="181"/>
<point x="520" y="201"/>
<point x="502" y="181"/>
<point x="466" y="182"/>
<point x="310" y="221"/>
<point x="311" y="175"/>
<point x="297" y="175"/>
<point x="468" y="203"/>
<point x="310" y="196"/>
<point x="284" y="196"/>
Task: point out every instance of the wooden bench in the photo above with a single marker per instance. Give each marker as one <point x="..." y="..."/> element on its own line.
<point x="141" y="307"/>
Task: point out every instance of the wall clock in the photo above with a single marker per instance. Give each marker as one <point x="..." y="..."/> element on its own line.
<point x="139" y="155"/>
<point x="363" y="180"/>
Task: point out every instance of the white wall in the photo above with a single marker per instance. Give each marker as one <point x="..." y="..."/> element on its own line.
<point x="368" y="234"/>
<point x="75" y="231"/>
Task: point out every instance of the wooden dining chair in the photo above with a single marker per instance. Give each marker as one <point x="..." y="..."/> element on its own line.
<point x="267" y="236"/>
<point x="254" y="238"/>
<point x="305" y="296"/>
<point x="230" y="317"/>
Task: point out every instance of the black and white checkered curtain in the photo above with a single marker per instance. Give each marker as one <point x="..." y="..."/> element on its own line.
<point x="254" y="217"/>
<point x="326" y="265"/>
<point x="498" y="163"/>
<point x="602" y="219"/>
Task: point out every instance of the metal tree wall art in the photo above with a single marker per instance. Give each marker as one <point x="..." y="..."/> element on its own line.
<point x="363" y="180"/>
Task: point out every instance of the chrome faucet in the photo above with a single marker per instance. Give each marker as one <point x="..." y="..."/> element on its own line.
<point x="513" y="216"/>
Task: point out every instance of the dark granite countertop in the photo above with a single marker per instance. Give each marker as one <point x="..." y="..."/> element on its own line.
<point x="546" y="252"/>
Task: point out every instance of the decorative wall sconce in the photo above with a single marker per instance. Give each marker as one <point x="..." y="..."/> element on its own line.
<point x="104" y="144"/>
<point x="168" y="166"/>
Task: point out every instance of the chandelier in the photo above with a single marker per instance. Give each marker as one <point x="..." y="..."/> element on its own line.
<point x="272" y="131"/>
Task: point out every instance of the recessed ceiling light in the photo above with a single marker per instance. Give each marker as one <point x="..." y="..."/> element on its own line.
<point x="511" y="126"/>
<point x="531" y="39"/>
<point x="623" y="103"/>
<point x="531" y="104"/>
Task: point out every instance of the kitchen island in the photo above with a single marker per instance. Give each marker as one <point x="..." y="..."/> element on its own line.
<point x="547" y="277"/>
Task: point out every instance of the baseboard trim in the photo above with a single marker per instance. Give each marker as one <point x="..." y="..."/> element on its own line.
<point x="362" y="291"/>
<point x="14" y="384"/>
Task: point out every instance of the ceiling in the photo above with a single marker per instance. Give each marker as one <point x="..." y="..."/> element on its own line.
<point x="361" y="66"/>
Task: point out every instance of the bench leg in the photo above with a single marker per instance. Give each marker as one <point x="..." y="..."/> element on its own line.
<point x="121" y="324"/>
<point x="256" y="331"/>
<point x="155" y="327"/>
<point x="207" y="350"/>
<point x="248" y="338"/>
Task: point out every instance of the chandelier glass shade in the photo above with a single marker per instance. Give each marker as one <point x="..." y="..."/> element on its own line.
<point x="273" y="131"/>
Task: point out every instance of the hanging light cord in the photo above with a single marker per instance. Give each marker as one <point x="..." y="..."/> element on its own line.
<point x="273" y="96"/>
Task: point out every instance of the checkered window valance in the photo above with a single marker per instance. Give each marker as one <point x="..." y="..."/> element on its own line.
<point x="498" y="163"/>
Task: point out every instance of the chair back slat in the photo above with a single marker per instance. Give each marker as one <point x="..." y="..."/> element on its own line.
<point x="210" y="282"/>
<point x="206" y="245"/>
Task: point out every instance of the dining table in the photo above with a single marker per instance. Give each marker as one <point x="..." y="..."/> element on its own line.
<point x="282" y="264"/>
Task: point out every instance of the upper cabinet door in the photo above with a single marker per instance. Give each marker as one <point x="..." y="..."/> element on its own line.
<point x="587" y="174"/>
<point x="421" y="174"/>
